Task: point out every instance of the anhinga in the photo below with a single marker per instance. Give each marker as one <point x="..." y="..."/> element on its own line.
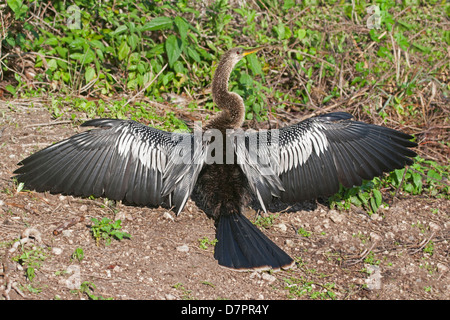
<point x="125" y="160"/>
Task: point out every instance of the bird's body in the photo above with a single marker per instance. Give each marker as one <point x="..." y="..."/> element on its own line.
<point x="124" y="160"/>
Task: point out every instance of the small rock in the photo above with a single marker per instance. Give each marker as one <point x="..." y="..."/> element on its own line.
<point x="83" y="208"/>
<point x="183" y="248"/>
<point x="168" y="216"/>
<point x="67" y="233"/>
<point x="290" y="243"/>
<point x="374" y="280"/>
<point x="376" y="217"/>
<point x="335" y="216"/>
<point x="375" y="237"/>
<point x="281" y="226"/>
<point x="268" y="277"/>
<point x="442" y="268"/>
<point x="170" y="296"/>
<point x="57" y="251"/>
<point x="434" y="227"/>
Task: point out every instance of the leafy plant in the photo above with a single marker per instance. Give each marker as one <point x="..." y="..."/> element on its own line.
<point x="78" y="254"/>
<point x="299" y="287"/>
<point x="106" y="229"/>
<point x="423" y="177"/>
<point x="88" y="288"/>
<point x="266" y="221"/>
<point x="31" y="260"/>
<point x="205" y="242"/>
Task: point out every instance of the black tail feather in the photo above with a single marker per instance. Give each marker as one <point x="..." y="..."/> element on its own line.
<point x="242" y="246"/>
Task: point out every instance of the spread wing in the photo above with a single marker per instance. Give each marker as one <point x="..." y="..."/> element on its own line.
<point x="121" y="160"/>
<point x="311" y="158"/>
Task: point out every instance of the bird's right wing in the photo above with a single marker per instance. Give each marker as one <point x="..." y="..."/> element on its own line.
<point x="122" y="160"/>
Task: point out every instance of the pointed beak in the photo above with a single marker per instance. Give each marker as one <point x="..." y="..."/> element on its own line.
<point x="250" y="51"/>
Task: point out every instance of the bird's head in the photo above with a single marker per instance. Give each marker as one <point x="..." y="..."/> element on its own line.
<point x="234" y="55"/>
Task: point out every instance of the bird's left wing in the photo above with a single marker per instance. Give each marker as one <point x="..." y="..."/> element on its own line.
<point x="311" y="158"/>
<point x="121" y="159"/>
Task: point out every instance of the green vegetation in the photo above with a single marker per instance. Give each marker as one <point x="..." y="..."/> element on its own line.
<point x="204" y="243"/>
<point x="424" y="177"/>
<point x="106" y="229"/>
<point x="78" y="254"/>
<point x="266" y="221"/>
<point x="302" y="287"/>
<point x="31" y="260"/>
<point x="185" y="293"/>
<point x="88" y="288"/>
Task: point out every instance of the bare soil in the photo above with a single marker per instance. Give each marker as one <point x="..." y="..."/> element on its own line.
<point x="345" y="255"/>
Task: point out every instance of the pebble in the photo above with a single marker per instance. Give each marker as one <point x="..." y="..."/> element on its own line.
<point x="67" y="233"/>
<point x="268" y="277"/>
<point x="57" y="251"/>
<point x="168" y="216"/>
<point x="374" y="280"/>
<point x="183" y="248"/>
<point x="281" y="226"/>
<point x="442" y="268"/>
<point x="290" y="243"/>
<point x="170" y="296"/>
<point x="335" y="216"/>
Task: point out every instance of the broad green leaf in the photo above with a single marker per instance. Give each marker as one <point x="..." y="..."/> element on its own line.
<point x="157" y="23"/>
<point x="97" y="44"/>
<point x="193" y="54"/>
<point x="182" y="26"/>
<point x="10" y="88"/>
<point x="18" y="7"/>
<point x="417" y="179"/>
<point x="173" y="49"/>
<point x="78" y="43"/>
<point x="52" y="64"/>
<point x="52" y="41"/>
<point x="120" y="29"/>
<point x="254" y="64"/>
<point x="124" y="50"/>
<point x="89" y="56"/>
<point x="378" y="197"/>
<point x="133" y="41"/>
<point x="301" y="33"/>
<point x="100" y="54"/>
<point x="288" y="4"/>
<point x="89" y="74"/>
<point x="14" y="4"/>
<point x="62" y="51"/>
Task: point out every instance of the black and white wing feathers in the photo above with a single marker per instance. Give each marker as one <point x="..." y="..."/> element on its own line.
<point x="122" y="160"/>
<point x="312" y="157"/>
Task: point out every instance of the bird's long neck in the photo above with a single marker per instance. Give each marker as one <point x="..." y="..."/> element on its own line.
<point x="231" y="104"/>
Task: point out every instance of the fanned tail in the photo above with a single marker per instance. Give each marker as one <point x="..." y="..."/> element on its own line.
<point x="242" y="246"/>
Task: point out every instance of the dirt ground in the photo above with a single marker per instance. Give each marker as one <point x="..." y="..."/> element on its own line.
<point x="344" y="255"/>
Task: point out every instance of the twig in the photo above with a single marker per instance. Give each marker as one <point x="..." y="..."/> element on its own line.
<point x="47" y="124"/>
<point x="146" y="86"/>
<point x="67" y="224"/>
